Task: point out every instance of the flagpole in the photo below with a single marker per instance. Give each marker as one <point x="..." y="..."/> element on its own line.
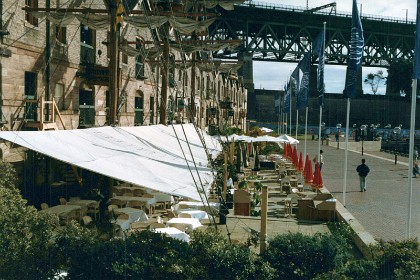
<point x="297" y="123"/>
<point x="410" y="154"/>
<point x="290" y="111"/>
<point x="355" y="60"/>
<point x="321" y="104"/>
<point x="346" y="152"/>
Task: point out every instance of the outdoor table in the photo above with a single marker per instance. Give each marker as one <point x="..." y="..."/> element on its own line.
<point x="198" y="214"/>
<point x="191" y="223"/>
<point x="211" y="207"/>
<point x="150" y="201"/>
<point x="58" y="184"/>
<point x="84" y="203"/>
<point x="127" y="187"/>
<point x="307" y="194"/>
<point x="61" y="211"/>
<point x="133" y="216"/>
<point x="163" y="197"/>
<point x="174" y="233"/>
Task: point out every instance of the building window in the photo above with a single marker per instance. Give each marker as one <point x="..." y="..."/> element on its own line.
<point x="86" y="107"/>
<point x="30" y="95"/>
<point x="151" y="109"/>
<point x="139" y="108"/>
<point x="124" y="58"/>
<point x="61" y="34"/>
<point x="87" y="45"/>
<point x="59" y="96"/>
<point x="29" y="17"/>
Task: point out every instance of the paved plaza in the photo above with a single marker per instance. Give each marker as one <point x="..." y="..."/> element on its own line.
<point x="383" y="208"/>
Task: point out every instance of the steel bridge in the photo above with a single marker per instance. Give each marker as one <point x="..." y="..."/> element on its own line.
<point x="283" y="33"/>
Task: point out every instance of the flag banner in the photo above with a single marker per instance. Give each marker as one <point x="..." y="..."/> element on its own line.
<point x="356" y="52"/>
<point x="318" y="45"/>
<point x="303" y="92"/>
<point x="318" y="49"/>
<point x="287" y="93"/>
<point x="417" y="48"/>
<point x="277" y="103"/>
<point x="295" y="78"/>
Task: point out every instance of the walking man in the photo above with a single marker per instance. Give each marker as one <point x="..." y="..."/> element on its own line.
<point x="363" y="171"/>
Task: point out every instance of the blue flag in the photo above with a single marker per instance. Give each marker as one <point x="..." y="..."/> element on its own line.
<point x="287" y="93"/>
<point x="318" y="49"/>
<point x="303" y="90"/>
<point x="356" y="52"/>
<point x="295" y="77"/>
<point x="417" y="49"/>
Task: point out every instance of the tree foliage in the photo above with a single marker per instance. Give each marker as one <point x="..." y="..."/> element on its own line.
<point x="374" y="80"/>
<point x="299" y="256"/>
<point x="8" y="178"/>
<point x="34" y="246"/>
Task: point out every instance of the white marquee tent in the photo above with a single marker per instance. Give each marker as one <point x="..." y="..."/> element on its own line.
<point x="149" y="156"/>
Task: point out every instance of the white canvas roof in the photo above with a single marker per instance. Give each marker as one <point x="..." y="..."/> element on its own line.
<point x="149" y="156"/>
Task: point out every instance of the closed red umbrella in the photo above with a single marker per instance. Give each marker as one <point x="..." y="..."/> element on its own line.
<point x="295" y="159"/>
<point x="308" y="170"/>
<point x="317" y="182"/>
<point x="285" y="150"/>
<point x="300" y="164"/>
<point x="289" y="151"/>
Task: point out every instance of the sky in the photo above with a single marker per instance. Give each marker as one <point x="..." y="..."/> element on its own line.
<point x="273" y="75"/>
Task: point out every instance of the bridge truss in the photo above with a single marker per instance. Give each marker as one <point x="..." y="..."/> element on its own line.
<point x="285" y="33"/>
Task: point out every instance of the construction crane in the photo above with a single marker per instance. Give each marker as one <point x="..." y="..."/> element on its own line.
<point x="332" y="5"/>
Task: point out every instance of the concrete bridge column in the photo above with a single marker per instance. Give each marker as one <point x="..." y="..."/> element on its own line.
<point x="359" y="86"/>
<point x="246" y="72"/>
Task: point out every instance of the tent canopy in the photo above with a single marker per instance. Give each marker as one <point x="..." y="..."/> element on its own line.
<point x="288" y="139"/>
<point x="156" y="157"/>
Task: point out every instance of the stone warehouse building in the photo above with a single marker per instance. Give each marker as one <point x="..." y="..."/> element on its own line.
<point x="56" y="62"/>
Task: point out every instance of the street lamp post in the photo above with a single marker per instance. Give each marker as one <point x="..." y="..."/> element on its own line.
<point x="397" y="131"/>
<point x="338" y="136"/>
<point x="362" y="134"/>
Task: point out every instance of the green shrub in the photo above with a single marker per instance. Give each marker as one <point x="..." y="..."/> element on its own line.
<point x="271" y="148"/>
<point x="144" y="255"/>
<point x="8" y="177"/>
<point x="27" y="240"/>
<point x="298" y="256"/>
<point x="398" y="259"/>
<point x="216" y="258"/>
